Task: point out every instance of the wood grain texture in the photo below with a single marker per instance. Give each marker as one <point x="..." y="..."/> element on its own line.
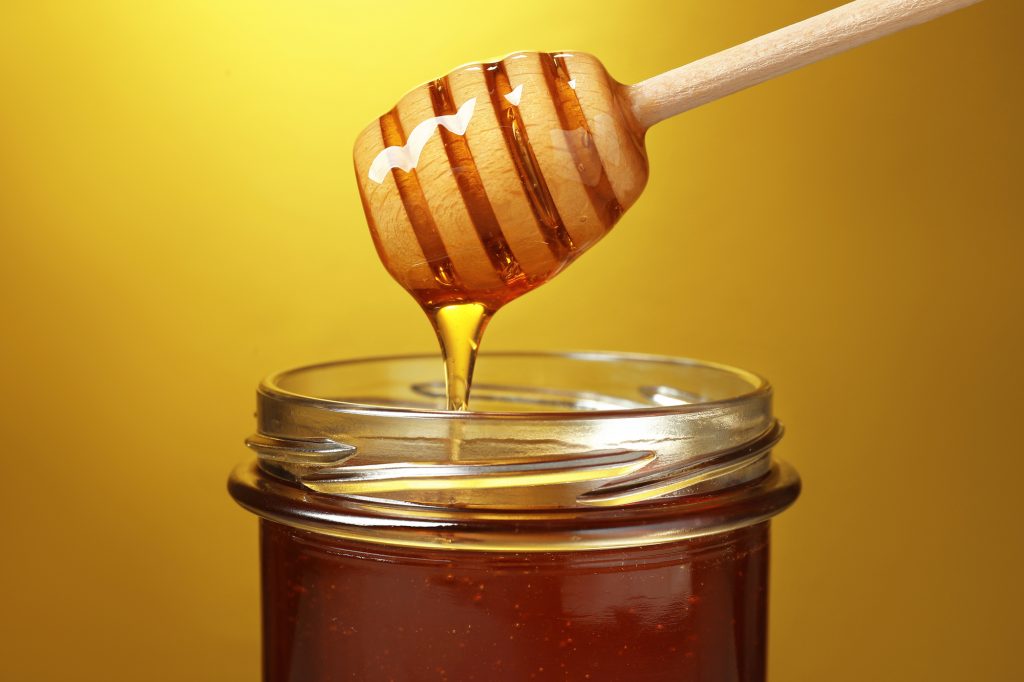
<point x="388" y="218"/>
<point x="779" y="52"/>
<point x="547" y="163"/>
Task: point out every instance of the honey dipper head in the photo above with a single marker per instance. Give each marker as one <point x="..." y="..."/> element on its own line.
<point x="484" y="184"/>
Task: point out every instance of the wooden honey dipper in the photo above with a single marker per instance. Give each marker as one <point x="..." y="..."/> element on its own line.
<point x="485" y="183"/>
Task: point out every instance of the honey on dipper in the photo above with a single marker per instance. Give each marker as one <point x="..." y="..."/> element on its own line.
<point x="486" y="183"/>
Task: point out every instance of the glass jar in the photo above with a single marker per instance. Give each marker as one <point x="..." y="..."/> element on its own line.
<point x="597" y="517"/>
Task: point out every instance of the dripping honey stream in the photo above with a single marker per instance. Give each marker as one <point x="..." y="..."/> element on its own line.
<point x="459" y="329"/>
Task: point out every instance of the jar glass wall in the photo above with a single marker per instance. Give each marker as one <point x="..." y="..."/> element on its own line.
<point x="601" y="517"/>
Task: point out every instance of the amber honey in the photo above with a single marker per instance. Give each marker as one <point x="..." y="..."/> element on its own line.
<point x="343" y="610"/>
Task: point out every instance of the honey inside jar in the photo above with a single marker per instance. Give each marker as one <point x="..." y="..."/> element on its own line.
<point x="343" y="611"/>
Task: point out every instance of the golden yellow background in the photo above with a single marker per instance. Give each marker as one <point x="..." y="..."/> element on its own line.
<point x="179" y="218"/>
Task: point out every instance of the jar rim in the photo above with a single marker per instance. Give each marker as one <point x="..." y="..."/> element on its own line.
<point x="634" y="427"/>
<point x="272" y="387"/>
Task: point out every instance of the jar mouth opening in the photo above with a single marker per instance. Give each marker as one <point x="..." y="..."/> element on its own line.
<point x="656" y="398"/>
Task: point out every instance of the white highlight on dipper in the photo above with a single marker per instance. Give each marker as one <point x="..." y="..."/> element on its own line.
<point x="515" y="96"/>
<point x="408" y="156"/>
<point x="572" y="84"/>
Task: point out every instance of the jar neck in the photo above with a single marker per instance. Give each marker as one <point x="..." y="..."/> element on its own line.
<point x="571" y="431"/>
<point x="656" y="522"/>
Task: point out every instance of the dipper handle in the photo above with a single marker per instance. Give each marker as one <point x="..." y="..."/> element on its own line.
<point x="776" y="53"/>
